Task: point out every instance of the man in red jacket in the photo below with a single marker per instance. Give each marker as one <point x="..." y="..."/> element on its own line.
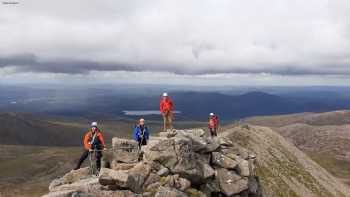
<point x="213" y="124"/>
<point x="166" y="109"/>
<point x="93" y="140"/>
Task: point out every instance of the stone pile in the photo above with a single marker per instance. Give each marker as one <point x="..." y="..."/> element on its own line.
<point x="176" y="164"/>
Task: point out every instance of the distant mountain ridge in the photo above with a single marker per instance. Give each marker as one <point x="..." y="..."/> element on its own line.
<point x="193" y="105"/>
<point x="45" y="130"/>
<point x="25" y="129"/>
<point x="228" y="107"/>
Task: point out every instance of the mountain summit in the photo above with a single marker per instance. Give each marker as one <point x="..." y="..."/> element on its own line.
<point x="243" y="161"/>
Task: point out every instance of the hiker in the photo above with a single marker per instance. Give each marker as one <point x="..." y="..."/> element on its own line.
<point x="166" y="109"/>
<point x="93" y="141"/>
<point x="141" y="133"/>
<point x="213" y="124"/>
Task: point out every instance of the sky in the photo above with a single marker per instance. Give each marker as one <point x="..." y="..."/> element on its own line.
<point x="194" y="42"/>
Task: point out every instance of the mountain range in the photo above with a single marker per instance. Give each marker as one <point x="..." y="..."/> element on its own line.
<point x="110" y="102"/>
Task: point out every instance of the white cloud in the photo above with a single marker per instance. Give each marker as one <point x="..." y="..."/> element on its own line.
<point x="278" y="37"/>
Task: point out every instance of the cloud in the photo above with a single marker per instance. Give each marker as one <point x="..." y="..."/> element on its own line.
<point x="199" y="37"/>
<point x="30" y="63"/>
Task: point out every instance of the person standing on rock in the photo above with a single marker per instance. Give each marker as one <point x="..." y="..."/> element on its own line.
<point x="166" y="109"/>
<point x="141" y="133"/>
<point x="213" y="124"/>
<point x="93" y="141"/>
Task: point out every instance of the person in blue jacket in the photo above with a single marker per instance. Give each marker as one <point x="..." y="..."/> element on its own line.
<point x="141" y="133"/>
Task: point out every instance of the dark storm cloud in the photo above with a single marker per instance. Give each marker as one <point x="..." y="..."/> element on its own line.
<point x="30" y="63"/>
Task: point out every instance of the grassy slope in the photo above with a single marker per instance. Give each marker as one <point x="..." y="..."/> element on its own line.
<point x="27" y="170"/>
<point x="283" y="169"/>
<point x="323" y="136"/>
<point x="338" y="168"/>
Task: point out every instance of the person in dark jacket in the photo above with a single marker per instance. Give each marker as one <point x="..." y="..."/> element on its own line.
<point x="93" y="140"/>
<point x="141" y="133"/>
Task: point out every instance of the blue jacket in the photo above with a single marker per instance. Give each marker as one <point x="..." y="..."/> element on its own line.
<point x="138" y="133"/>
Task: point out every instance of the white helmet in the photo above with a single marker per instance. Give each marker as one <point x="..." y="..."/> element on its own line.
<point x="94" y="124"/>
<point x="165" y="94"/>
<point x="211" y="114"/>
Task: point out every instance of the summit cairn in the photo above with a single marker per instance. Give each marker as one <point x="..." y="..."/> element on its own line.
<point x="176" y="164"/>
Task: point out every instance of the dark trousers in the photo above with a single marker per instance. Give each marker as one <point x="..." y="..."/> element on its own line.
<point x="213" y="131"/>
<point x="142" y="143"/>
<point x="86" y="154"/>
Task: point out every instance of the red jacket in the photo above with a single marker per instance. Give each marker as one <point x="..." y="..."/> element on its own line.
<point x="88" y="138"/>
<point x="166" y="105"/>
<point x="213" y="122"/>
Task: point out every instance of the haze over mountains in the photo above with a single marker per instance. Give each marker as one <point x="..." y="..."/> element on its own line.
<point x="228" y="102"/>
<point x="39" y="130"/>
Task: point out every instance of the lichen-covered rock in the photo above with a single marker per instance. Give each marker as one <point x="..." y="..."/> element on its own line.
<point x="63" y="193"/>
<point x="210" y="187"/>
<point x="175" y="181"/>
<point x="234" y="151"/>
<point x="183" y="184"/>
<point x="85" y="186"/>
<point x="169" y="192"/>
<point x="231" y="183"/>
<point x="132" y="179"/>
<point x="76" y="175"/>
<point x="139" y="175"/>
<point x="223" y="161"/>
<point x="122" y="179"/>
<point x="243" y="168"/>
<point x="192" y="192"/>
<point x="163" y="171"/>
<point x="254" y="186"/>
<point x="55" y="183"/>
<point x="122" y="166"/>
<point x="70" y="177"/>
<point x="168" y="134"/>
<point x="125" y="151"/>
<point x="163" y="153"/>
<point x="194" y="132"/>
<point x="185" y="163"/>
<point x="153" y="187"/>
<point x="177" y="154"/>
<point x="152" y="178"/>
<point x="200" y="144"/>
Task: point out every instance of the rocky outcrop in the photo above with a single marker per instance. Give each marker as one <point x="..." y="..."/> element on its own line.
<point x="178" y="163"/>
<point x="125" y="151"/>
